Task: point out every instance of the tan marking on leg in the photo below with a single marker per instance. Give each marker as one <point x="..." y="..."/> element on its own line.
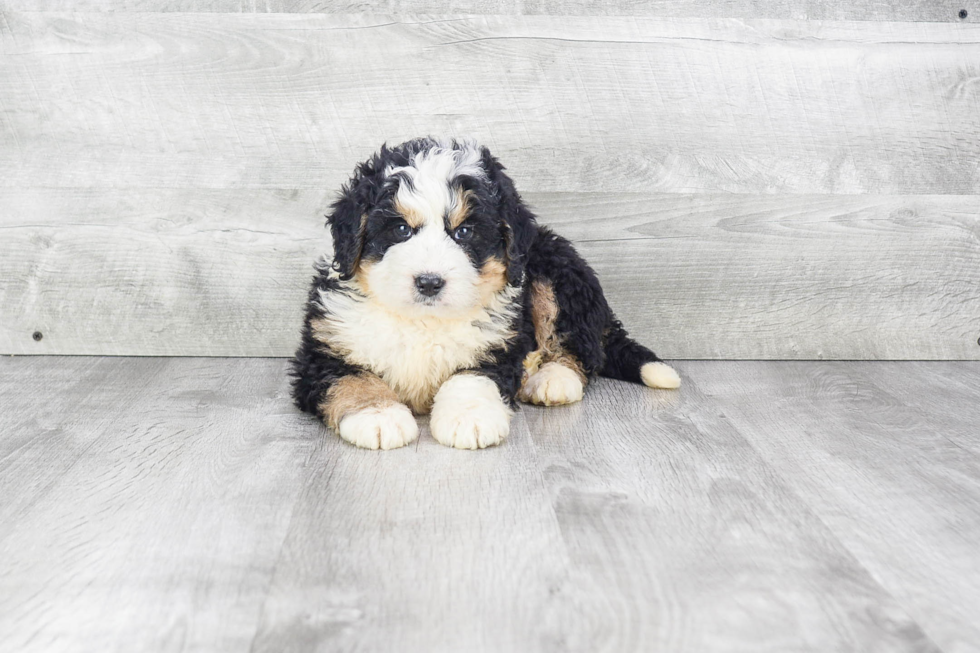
<point x="355" y="393"/>
<point x="544" y="315"/>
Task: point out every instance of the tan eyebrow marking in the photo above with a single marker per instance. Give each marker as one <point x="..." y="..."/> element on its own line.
<point x="460" y="210"/>
<point x="413" y="218"/>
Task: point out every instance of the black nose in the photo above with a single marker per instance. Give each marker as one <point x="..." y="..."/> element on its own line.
<point x="429" y="284"/>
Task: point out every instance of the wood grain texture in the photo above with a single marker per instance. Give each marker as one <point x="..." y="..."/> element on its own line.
<point x="886" y="470"/>
<point x="225" y="272"/>
<point x="686" y="534"/>
<point x="907" y="10"/>
<point x="569" y="103"/>
<point x="427" y="546"/>
<point x="145" y="501"/>
<point x="822" y="277"/>
<point x="42" y="408"/>
<point x="184" y="504"/>
<point x="922" y="391"/>
<point x="159" y="272"/>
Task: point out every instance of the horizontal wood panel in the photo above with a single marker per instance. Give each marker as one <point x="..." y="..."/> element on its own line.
<point x="595" y="104"/>
<point x="224" y="272"/>
<point x="791" y="277"/>
<point x="157" y="272"/>
<point x="912" y="10"/>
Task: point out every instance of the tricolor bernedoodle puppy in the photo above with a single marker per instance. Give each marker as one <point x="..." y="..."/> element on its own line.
<point x="445" y="296"/>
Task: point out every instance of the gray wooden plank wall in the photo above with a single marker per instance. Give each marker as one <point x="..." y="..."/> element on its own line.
<point x="748" y="184"/>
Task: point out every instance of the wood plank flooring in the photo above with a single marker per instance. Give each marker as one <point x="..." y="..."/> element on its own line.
<point x="154" y="504"/>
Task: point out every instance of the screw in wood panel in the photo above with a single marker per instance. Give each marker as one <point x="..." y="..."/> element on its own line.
<point x="963" y="14"/>
<point x="37" y="336"/>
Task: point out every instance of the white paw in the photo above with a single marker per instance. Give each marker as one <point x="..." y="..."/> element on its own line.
<point x="468" y="413"/>
<point x="386" y="428"/>
<point x="660" y="375"/>
<point x="553" y="385"/>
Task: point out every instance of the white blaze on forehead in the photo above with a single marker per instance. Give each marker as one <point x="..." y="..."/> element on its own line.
<point x="430" y="195"/>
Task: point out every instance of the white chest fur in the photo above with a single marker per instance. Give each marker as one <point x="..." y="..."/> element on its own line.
<point x="414" y="355"/>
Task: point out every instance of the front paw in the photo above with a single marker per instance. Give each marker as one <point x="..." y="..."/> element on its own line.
<point x="389" y="427"/>
<point x="468" y="413"/>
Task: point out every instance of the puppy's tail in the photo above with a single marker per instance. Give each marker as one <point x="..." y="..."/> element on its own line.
<point x="628" y="360"/>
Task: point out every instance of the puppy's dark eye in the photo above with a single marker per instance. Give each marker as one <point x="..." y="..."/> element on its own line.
<point x="402" y="231"/>
<point x="463" y="233"/>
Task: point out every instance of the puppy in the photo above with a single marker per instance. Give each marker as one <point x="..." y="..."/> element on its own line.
<point x="446" y="297"/>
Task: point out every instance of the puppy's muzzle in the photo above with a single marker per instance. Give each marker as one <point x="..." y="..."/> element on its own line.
<point x="429" y="284"/>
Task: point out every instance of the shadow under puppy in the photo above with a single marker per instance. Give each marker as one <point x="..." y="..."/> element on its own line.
<point x="445" y="296"/>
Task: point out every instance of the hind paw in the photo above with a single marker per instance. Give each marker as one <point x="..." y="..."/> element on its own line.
<point x="553" y="385"/>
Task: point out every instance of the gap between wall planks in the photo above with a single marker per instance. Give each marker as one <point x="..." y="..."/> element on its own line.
<point x="100" y="111"/>
<point x="225" y="272"/>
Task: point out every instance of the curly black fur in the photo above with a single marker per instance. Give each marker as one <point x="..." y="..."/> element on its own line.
<point x="313" y="368"/>
<point x="586" y="324"/>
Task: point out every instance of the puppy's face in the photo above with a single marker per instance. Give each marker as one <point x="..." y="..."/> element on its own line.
<point x="431" y="240"/>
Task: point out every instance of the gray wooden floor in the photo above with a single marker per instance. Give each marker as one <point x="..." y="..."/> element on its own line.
<point x="183" y="504"/>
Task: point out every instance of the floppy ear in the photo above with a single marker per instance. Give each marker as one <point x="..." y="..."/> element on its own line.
<point x="346" y="222"/>
<point x="348" y="214"/>
<point x="517" y="223"/>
